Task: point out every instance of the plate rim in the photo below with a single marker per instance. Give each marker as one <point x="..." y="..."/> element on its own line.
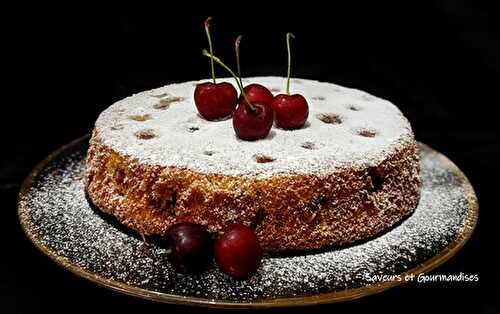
<point x="321" y="298"/>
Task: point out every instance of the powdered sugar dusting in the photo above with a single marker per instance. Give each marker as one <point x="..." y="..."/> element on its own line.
<point x="182" y="137"/>
<point x="55" y="212"/>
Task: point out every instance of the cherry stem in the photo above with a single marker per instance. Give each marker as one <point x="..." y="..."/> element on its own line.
<point x="237" y="50"/>
<point x="240" y="85"/>
<point x="207" y="32"/>
<point x="288" y="35"/>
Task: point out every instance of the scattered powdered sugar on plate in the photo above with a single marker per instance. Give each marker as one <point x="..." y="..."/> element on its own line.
<point x="58" y="216"/>
<point x="366" y="129"/>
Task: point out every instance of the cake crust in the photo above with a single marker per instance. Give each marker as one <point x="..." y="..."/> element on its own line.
<point x="296" y="212"/>
<point x="289" y="210"/>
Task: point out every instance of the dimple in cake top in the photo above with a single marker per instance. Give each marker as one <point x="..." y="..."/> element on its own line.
<point x="346" y="128"/>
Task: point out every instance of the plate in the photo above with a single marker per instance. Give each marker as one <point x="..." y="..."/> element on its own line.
<point x="56" y="216"/>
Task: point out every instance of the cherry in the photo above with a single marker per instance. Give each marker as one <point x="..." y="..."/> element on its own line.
<point x="238" y="252"/>
<point x="191" y="246"/>
<point x="257" y="93"/>
<point x="253" y="118"/>
<point x="252" y="122"/>
<point x="291" y="111"/>
<point x="214" y="101"/>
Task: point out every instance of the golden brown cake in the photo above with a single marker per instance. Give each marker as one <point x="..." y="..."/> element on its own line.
<point x="350" y="173"/>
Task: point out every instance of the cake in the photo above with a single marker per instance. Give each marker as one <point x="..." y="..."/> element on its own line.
<point x="349" y="174"/>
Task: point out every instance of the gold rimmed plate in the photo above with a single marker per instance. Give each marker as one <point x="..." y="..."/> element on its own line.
<point x="57" y="218"/>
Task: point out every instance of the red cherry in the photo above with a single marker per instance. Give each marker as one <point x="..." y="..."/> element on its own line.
<point x="252" y="124"/>
<point x="238" y="252"/>
<point x="215" y="101"/>
<point x="191" y="246"/>
<point x="258" y="94"/>
<point x="291" y="111"/>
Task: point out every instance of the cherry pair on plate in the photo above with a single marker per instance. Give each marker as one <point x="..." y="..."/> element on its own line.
<point x="237" y="252"/>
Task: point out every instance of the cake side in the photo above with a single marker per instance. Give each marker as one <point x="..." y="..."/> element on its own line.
<point x="288" y="212"/>
<point x="351" y="172"/>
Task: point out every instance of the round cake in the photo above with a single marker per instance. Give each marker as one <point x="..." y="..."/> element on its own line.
<point x="350" y="173"/>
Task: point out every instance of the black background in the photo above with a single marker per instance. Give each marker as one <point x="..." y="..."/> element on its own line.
<point x="438" y="61"/>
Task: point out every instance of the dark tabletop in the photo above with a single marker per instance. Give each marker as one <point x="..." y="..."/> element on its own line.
<point x="438" y="62"/>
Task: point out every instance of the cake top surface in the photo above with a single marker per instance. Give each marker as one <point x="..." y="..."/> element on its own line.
<point x="346" y="128"/>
